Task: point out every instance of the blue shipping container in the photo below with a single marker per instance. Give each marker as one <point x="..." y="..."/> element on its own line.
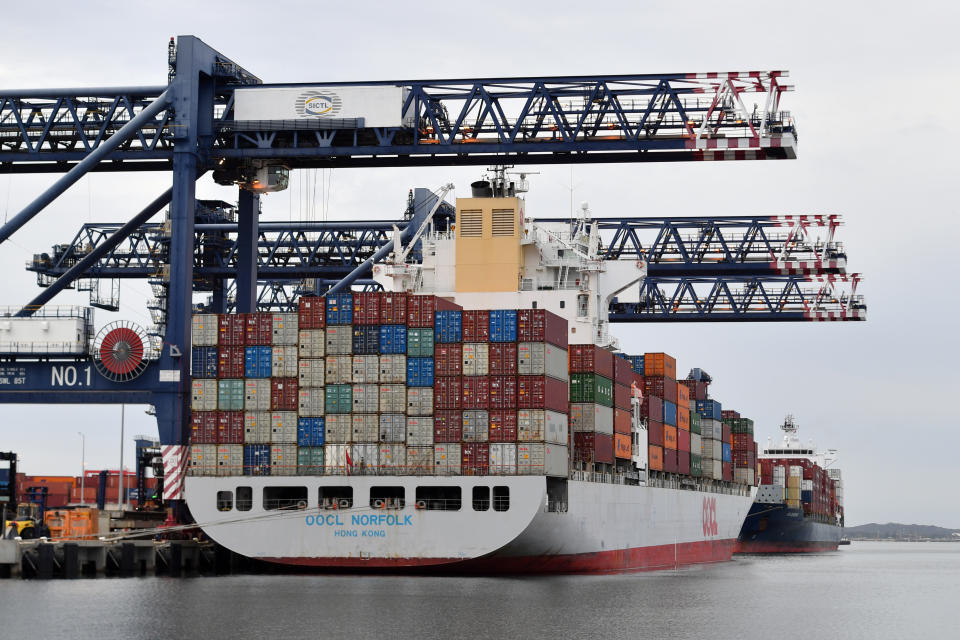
<point x="340" y="308"/>
<point x="636" y="363"/>
<point x="503" y="325"/>
<point x="447" y="326"/>
<point x="256" y="459"/>
<point x="310" y="432"/>
<point x="366" y="340"/>
<point x="257" y="362"/>
<point x="669" y="413"/>
<point x="709" y="409"/>
<point x="393" y="338"/>
<point x="727" y="452"/>
<point x="419" y="372"/>
<point x="806" y="496"/>
<point x="204" y="362"/>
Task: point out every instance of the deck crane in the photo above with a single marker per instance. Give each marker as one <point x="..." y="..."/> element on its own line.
<point x="205" y="120"/>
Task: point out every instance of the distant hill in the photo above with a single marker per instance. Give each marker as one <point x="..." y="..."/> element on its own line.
<point x="899" y="531"/>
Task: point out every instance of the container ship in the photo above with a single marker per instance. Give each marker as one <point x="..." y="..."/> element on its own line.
<point x="799" y="504"/>
<point x="474" y="416"/>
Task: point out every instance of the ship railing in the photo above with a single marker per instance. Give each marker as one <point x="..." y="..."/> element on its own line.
<point x="264" y="469"/>
<point x="62" y="311"/>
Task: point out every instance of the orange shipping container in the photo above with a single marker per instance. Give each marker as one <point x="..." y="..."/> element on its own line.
<point x="683" y="418"/>
<point x="659" y="364"/>
<point x="656" y="458"/>
<point x="621" y="446"/>
<point x="622" y="421"/>
<point x="669" y="437"/>
<point x="683" y="395"/>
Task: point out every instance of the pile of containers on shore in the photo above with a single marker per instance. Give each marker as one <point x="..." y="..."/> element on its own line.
<point x="803" y="483"/>
<point x="380" y="383"/>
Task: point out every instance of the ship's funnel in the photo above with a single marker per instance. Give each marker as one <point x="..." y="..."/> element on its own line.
<point x="481" y="189"/>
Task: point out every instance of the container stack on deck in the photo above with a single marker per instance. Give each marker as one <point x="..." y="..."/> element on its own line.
<point x="804" y="485"/>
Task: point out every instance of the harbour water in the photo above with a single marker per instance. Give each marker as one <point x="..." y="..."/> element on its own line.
<point x="866" y="590"/>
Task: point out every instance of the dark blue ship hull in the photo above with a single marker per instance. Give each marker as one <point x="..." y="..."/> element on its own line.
<point x="775" y="528"/>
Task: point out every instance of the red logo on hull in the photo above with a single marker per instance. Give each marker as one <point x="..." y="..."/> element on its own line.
<point x="708" y="517"/>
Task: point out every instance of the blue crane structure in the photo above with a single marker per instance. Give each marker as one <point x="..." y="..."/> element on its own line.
<point x="189" y="128"/>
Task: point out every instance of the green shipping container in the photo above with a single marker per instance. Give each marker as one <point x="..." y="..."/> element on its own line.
<point x="696" y="466"/>
<point x="420" y="343"/>
<point x="695" y="422"/>
<point x="310" y="461"/>
<point x="589" y="387"/>
<point x="230" y="395"/>
<point x="339" y="398"/>
<point x="739" y="425"/>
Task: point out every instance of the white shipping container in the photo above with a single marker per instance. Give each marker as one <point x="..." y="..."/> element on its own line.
<point x="392" y="459"/>
<point x="285" y="329"/>
<point x="393" y="427"/>
<point x="393" y="398"/>
<point x="530" y="425"/>
<point x="717" y="469"/>
<point x="338" y="370"/>
<point x="204" y="395"/>
<point x="707" y="465"/>
<point x="339" y="340"/>
<point x="419" y="431"/>
<point x="312" y="343"/>
<point x="363" y="459"/>
<point x="369" y="105"/>
<point x="335" y="459"/>
<point x="283" y="362"/>
<point x="476" y="359"/>
<point x="203" y="460"/>
<point x="338" y="428"/>
<point x="365" y="370"/>
<point x="256" y="427"/>
<point x="393" y="369"/>
<point x="591" y="417"/>
<point x="769" y="494"/>
<point x="696" y="445"/>
<point x="283" y="427"/>
<point x="311" y="372"/>
<point x="230" y="460"/>
<point x="555" y="427"/>
<point x="743" y="476"/>
<point x="476" y="426"/>
<point x="796" y="471"/>
<point x="420" y="461"/>
<point x="542" y="359"/>
<point x="366" y="398"/>
<point x="503" y="458"/>
<point x="806" y="485"/>
<point x="780" y="476"/>
<point x="537" y="459"/>
<point x="283" y="460"/>
<point x="365" y="427"/>
<point x="710" y="428"/>
<point x="420" y="401"/>
<point x="446" y="459"/>
<point x="204" y="330"/>
<point x="256" y="394"/>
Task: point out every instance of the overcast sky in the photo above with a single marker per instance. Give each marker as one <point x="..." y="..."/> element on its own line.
<point x="875" y="104"/>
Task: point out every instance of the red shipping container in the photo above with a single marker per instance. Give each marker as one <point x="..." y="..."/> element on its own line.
<point x="476" y="326"/>
<point x="230" y="362"/>
<point x="420" y="309"/>
<point x="726" y="433"/>
<point x="503" y="358"/>
<point x="448" y="426"/>
<point x="203" y="427"/>
<point x="727" y="472"/>
<point x="742" y="442"/>
<point x="670" y="462"/>
<point x="230" y="427"/>
<point x="259" y="328"/>
<point x="542" y="392"/>
<point x="683" y="443"/>
<point x="593" y="447"/>
<point x="448" y="359"/>
<point x="366" y="307"/>
<point x="446" y="393"/>
<point x="312" y="312"/>
<point x="683" y="463"/>
<point x="475" y="458"/>
<point x="232" y="330"/>
<point x="730" y="413"/>
<point x="622" y="371"/>
<point x="698" y="388"/>
<point x="661" y="387"/>
<point x="539" y="325"/>
<point x="503" y="425"/>
<point x="503" y="392"/>
<point x="393" y="308"/>
<point x="622" y="421"/>
<point x="652" y="407"/>
<point x="475" y="392"/>
<point x="283" y="394"/>
<point x="589" y="358"/>
<point x="655" y="432"/>
<point x="621" y="396"/>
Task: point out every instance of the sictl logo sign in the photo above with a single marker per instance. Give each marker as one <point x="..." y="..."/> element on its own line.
<point x="708" y="517"/>
<point x="315" y="104"/>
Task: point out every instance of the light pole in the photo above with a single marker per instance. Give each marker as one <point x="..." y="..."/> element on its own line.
<point x="83" y="467"/>
<point x="122" y="497"/>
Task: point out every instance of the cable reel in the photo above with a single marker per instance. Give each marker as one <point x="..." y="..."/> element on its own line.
<point x="120" y="350"/>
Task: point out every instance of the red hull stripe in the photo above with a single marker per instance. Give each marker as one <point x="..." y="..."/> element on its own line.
<point x="784" y="547"/>
<point x="635" y="559"/>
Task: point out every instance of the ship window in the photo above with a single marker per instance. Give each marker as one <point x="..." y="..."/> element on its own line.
<point x="244" y="498"/>
<point x="471" y="223"/>
<point x="438" y="498"/>
<point x="284" y="498"/>
<point x="336" y="497"/>
<point x="501" y="498"/>
<point x="534" y="305"/>
<point x="224" y="500"/>
<point x="563" y="304"/>
<point x="387" y="497"/>
<point x="481" y="498"/>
